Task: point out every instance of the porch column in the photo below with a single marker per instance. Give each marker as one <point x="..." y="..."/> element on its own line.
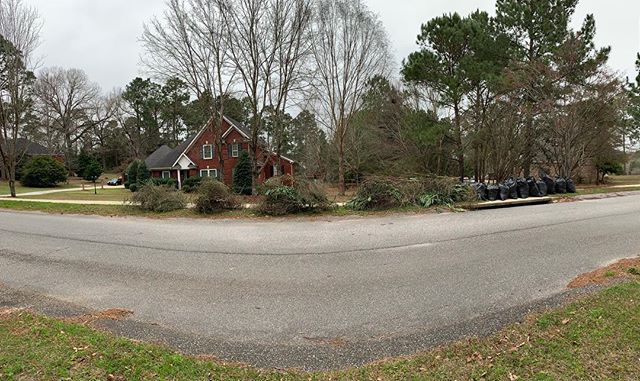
<point x="179" y="180"/>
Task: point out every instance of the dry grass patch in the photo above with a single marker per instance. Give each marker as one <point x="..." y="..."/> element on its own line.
<point x="623" y="269"/>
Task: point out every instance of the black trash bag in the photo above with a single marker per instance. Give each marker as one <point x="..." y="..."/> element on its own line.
<point x="481" y="191"/>
<point x="561" y="185"/>
<point x="551" y="184"/>
<point x="533" y="187"/>
<point x="542" y="187"/>
<point x="504" y="192"/>
<point x="493" y="192"/>
<point x="523" y="188"/>
<point x="513" y="188"/>
<point x="571" y="186"/>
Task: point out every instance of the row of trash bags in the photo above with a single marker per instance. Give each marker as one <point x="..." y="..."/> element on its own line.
<point x="515" y="188"/>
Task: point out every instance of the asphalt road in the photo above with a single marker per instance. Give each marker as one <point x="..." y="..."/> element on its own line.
<point x="312" y="294"/>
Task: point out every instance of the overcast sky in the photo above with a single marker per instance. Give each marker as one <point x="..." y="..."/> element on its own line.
<point x="101" y="36"/>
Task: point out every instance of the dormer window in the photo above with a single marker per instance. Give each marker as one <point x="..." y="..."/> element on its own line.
<point x="207" y="151"/>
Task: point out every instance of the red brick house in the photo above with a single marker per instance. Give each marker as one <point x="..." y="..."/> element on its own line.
<point x="197" y="156"/>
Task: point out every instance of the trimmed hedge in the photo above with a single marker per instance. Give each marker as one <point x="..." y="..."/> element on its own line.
<point x="170" y="182"/>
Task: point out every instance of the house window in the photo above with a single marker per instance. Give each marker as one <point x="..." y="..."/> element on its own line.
<point x="235" y="150"/>
<point x="207" y="151"/>
<point x="166" y="174"/>
<point x="276" y="170"/>
<point x="209" y="173"/>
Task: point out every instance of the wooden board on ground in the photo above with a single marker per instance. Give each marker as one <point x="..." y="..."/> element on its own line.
<point x="510" y="203"/>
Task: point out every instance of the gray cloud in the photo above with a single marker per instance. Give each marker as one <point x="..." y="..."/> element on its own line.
<point x="101" y="36"/>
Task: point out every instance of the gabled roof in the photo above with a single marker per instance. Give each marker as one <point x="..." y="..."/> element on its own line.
<point x="165" y="157"/>
<point x="242" y="129"/>
<point x="158" y="158"/>
<point x="29" y="148"/>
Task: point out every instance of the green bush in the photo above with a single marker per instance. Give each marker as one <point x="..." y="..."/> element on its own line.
<point x="92" y="169"/>
<point x="159" y="198"/>
<point x="170" y="182"/>
<point x="377" y="193"/>
<point x="242" y="178"/>
<point x="143" y="173"/>
<point x="132" y="175"/>
<point x="191" y="184"/>
<point x="82" y="162"/>
<point x="43" y="172"/>
<point x="213" y="196"/>
<point x="137" y="175"/>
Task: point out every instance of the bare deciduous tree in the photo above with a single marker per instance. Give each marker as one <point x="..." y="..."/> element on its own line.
<point x="267" y="44"/>
<point x="20" y="27"/>
<point x="350" y="46"/>
<point x="175" y="50"/>
<point x="70" y="97"/>
<point x="189" y="43"/>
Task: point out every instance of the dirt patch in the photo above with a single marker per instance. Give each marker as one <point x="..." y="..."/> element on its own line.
<point x="7" y="312"/>
<point x="624" y="269"/>
<point x="331" y="342"/>
<point x="111" y="314"/>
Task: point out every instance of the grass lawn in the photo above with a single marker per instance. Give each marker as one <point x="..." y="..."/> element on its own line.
<point x="610" y="186"/>
<point x="595" y="338"/>
<point x="106" y="194"/>
<point x="100" y="210"/>
<point x="4" y="188"/>
<point x="624" y="180"/>
<point x="129" y="210"/>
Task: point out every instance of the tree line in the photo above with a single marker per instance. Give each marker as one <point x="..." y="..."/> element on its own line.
<point x="481" y="97"/>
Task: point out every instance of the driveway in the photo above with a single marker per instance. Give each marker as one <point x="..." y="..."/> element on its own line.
<point x="312" y="294"/>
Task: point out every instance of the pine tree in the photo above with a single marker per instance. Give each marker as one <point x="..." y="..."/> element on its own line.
<point x="92" y="171"/>
<point x="132" y="175"/>
<point x="242" y="175"/>
<point x="82" y="162"/>
<point x="143" y="173"/>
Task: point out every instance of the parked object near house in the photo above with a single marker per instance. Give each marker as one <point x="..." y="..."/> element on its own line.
<point x="114" y="182"/>
<point x="198" y="156"/>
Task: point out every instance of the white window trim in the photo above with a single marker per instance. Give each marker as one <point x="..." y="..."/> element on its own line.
<point x="208" y="172"/>
<point x="235" y="150"/>
<point x="276" y="170"/>
<point x="166" y="175"/>
<point x="204" y="152"/>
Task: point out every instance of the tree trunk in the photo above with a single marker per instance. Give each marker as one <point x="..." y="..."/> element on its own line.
<point x="341" y="185"/>
<point x="68" y="150"/>
<point x="11" y="172"/>
<point x="459" y="145"/>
